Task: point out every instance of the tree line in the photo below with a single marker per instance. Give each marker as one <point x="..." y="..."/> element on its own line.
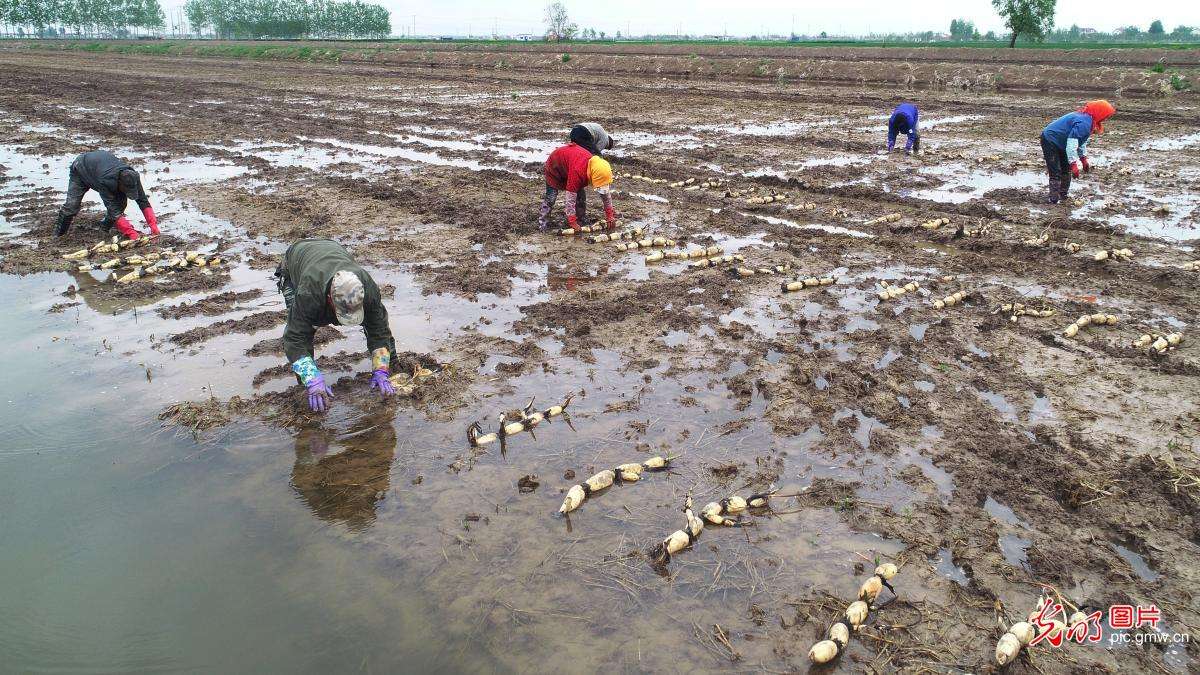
<point x="60" y="17"/>
<point x="289" y="18"/>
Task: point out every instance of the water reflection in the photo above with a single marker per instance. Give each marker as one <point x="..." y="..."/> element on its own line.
<point x="342" y="480"/>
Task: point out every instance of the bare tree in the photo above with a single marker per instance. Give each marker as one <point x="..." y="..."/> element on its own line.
<point x="558" y="24"/>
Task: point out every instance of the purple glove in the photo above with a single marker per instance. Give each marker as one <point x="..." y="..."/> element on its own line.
<point x="319" y="394"/>
<point x="379" y="378"/>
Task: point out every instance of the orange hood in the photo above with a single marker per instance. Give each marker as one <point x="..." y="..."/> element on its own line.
<point x="1099" y="111"/>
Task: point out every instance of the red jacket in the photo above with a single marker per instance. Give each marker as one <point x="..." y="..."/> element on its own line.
<point x="567" y="168"/>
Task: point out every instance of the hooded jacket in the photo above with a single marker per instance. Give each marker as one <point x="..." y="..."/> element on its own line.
<point x="309" y="265"/>
<point x="1071" y="132"/>
<point x="903" y="121"/>
<point x="98" y="171"/>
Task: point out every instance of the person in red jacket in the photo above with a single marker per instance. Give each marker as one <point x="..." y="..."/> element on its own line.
<point x="570" y="169"/>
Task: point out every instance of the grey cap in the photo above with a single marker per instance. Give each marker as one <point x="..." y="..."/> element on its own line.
<point x="346" y="292"/>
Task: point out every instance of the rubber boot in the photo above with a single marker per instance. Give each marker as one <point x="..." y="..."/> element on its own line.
<point x="63" y="225"/>
<point x="1064" y="185"/>
<point x="1053" y="198"/>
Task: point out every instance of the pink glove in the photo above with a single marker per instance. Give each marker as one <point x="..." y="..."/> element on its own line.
<point x="379" y="380"/>
<point x="126" y="229"/>
<point x="1075" y="169"/>
<point x="1086" y="167"/>
<point x="151" y="221"/>
<point x="573" y="221"/>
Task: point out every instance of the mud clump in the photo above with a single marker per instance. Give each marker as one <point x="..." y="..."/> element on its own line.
<point x="212" y="305"/>
<point x="247" y="324"/>
<point x="274" y="346"/>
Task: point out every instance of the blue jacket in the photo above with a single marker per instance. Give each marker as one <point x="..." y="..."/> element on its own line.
<point x="903" y="120"/>
<point x="1070" y="133"/>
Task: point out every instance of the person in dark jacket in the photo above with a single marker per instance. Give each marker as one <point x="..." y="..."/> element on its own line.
<point x="322" y="286"/>
<point x="904" y="121"/>
<point x="1064" y="145"/>
<point x="116" y="182"/>
<point x="592" y="136"/>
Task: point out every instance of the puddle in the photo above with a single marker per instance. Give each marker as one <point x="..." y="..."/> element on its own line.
<point x="1041" y="410"/>
<point x="1168" y="144"/>
<point x="1015" y="550"/>
<point x="944" y="564"/>
<point x="886" y="360"/>
<point x="1003" y="514"/>
<point x="1007" y="410"/>
<point x="963" y="183"/>
<point x="1137" y="562"/>
<point x="866" y="424"/>
<point x="923" y="385"/>
<point x="831" y="229"/>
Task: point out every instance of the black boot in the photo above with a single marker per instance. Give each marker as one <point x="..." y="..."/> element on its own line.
<point x="63" y="226"/>
<point x="1053" y="199"/>
<point x="1064" y="185"/>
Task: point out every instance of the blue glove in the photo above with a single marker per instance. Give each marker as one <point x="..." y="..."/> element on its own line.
<point x="379" y="378"/>
<point x="319" y="394"/>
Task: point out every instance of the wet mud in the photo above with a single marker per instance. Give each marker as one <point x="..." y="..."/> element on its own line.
<point x="984" y="453"/>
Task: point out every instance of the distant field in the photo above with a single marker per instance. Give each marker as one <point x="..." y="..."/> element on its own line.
<point x="1092" y="68"/>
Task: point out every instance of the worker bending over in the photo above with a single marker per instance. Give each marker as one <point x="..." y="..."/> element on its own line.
<point x="1064" y="145"/>
<point x="570" y="169"/>
<point x="904" y="121"/>
<point x="116" y="182"/>
<point x="322" y="286"/>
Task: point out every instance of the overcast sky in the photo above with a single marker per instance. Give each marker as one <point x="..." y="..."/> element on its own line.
<point x="746" y="17"/>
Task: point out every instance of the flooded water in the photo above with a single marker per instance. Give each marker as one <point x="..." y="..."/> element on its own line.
<point x="376" y="541"/>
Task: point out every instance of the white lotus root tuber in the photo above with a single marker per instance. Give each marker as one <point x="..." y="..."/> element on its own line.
<point x="527" y="421"/>
<point x="889" y="218"/>
<point x="1098" y="319"/>
<point x="855" y="616"/>
<point x="1072" y="247"/>
<point x="679" y="539"/>
<point x="715" y="512"/>
<point x="891" y="292"/>
<point x="767" y="200"/>
<point x="635" y="233"/>
<point x="1017" y="309"/>
<point x="744" y="272"/>
<point x="717" y="261"/>
<point x="1158" y="343"/>
<point x="876" y="582"/>
<point x="652" y="242"/>
<point x="935" y="223"/>
<point x="1021" y="634"/>
<point x="629" y="473"/>
<point x="584" y="229"/>
<point x="1039" y="240"/>
<point x="708" y="252"/>
<point x="810" y="282"/>
<point x="951" y="300"/>
<point x="1193" y="266"/>
<point x="1118" y="254"/>
<point x="647" y="179"/>
<point x="978" y="231"/>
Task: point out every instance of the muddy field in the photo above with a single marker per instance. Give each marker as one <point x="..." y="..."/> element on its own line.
<point x="985" y="453"/>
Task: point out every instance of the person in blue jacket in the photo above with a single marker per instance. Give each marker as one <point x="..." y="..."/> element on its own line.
<point x="904" y="121"/>
<point x="1064" y="145"/>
